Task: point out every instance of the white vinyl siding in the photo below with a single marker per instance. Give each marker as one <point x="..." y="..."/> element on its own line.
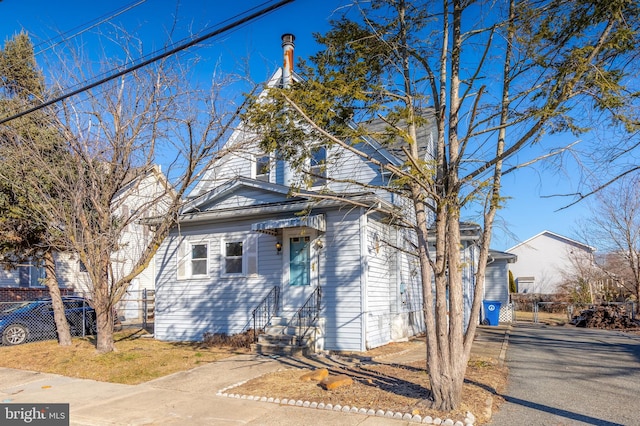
<point x="342" y="281"/>
<point x="496" y="281"/>
<point x="188" y="308"/>
<point x="247" y="198"/>
<point x="380" y="285"/>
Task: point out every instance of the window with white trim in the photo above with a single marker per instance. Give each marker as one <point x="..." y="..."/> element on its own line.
<point x="193" y="259"/>
<point x="233" y="257"/>
<point x="318" y="166"/>
<point x="263" y="168"/>
<point x="239" y="256"/>
<point x="199" y="259"/>
<point x="32" y="275"/>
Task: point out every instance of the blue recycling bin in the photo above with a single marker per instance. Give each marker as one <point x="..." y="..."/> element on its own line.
<point x="491" y="312"/>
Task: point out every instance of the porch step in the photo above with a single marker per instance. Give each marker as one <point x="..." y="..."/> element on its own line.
<point x="280" y="339"/>
<point x="264" y="348"/>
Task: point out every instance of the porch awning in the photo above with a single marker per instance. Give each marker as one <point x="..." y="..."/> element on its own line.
<point x="270" y="226"/>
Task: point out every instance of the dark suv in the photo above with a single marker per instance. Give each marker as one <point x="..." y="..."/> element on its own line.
<point x="33" y="320"/>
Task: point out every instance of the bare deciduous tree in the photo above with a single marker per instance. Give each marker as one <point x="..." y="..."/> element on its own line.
<point x="493" y="78"/>
<point x="614" y="225"/>
<point x="108" y="182"/>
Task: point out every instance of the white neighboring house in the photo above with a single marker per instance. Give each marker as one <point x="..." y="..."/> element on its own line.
<point x="544" y="260"/>
<point x="142" y="197"/>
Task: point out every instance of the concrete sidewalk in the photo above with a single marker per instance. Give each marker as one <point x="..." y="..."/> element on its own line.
<point x="191" y="397"/>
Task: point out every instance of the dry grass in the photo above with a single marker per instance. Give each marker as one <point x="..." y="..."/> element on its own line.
<point x="389" y="384"/>
<point x="138" y="358"/>
<point x="549" y="318"/>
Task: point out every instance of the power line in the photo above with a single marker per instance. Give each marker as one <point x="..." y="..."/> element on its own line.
<point x="96" y="22"/>
<point x="151" y="60"/>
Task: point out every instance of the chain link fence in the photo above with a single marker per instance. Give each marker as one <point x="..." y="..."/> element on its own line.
<point x="31" y="320"/>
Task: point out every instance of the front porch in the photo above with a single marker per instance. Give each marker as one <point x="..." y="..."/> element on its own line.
<point x="278" y="332"/>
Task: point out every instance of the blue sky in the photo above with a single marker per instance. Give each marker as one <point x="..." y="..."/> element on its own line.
<point x="526" y="212"/>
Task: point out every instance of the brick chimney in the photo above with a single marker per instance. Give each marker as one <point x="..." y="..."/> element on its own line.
<point x="287" y="67"/>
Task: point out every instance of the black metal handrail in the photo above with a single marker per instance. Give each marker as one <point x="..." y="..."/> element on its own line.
<point x="262" y="314"/>
<point x="307" y="315"/>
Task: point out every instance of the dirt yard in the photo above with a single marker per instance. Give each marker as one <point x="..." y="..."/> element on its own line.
<point x="388" y="379"/>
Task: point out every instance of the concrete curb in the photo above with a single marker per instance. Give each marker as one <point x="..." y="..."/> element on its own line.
<point x="505" y="345"/>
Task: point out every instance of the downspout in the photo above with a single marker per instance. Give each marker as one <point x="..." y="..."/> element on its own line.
<point x="364" y="261"/>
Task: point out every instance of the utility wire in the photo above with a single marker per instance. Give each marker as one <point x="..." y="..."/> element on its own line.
<point x="96" y="22"/>
<point x="151" y="60"/>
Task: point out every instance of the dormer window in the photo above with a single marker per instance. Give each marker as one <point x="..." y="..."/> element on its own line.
<point x="318" y="166"/>
<point x="263" y="168"/>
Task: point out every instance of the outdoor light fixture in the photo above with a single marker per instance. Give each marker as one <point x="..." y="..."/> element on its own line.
<point x="279" y="246"/>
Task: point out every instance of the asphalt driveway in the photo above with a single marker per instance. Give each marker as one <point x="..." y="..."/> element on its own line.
<point x="571" y="376"/>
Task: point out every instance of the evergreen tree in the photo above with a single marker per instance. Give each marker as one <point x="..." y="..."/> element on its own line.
<point x="24" y="237"/>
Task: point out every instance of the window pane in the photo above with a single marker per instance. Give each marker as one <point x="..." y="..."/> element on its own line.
<point x="318" y="166"/>
<point x="199" y="267"/>
<point x="233" y="265"/>
<point x="234" y="249"/>
<point x="199" y="251"/>
<point x="263" y="165"/>
<point x="318" y="156"/>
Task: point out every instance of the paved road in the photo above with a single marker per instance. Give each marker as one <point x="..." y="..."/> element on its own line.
<point x="571" y="376"/>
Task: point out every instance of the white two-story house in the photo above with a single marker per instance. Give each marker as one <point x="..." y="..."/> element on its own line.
<point x="243" y="239"/>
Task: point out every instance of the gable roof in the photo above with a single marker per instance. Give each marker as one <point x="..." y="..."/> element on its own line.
<point x="501" y="255"/>
<point x="555" y="236"/>
<point x="280" y="201"/>
<point x="389" y="153"/>
<point x="136" y="176"/>
<point x="198" y="203"/>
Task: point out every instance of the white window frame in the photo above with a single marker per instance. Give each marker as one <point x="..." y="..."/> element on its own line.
<point x="224" y="257"/>
<point x="36" y="274"/>
<point x="185" y="259"/>
<point x="256" y="163"/>
<point x="249" y="256"/>
<point x="318" y="168"/>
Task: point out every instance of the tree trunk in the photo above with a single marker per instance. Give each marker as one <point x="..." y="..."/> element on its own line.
<point x="105" y="319"/>
<point x="103" y="304"/>
<point x="51" y="281"/>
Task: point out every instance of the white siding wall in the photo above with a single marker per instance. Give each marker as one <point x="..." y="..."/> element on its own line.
<point x="186" y="309"/>
<point x="346" y="166"/>
<point x="248" y="197"/>
<point x="497" y="282"/>
<point x="342" y="289"/>
<point x="148" y="198"/>
<point x="381" y="284"/>
<point x="66" y="270"/>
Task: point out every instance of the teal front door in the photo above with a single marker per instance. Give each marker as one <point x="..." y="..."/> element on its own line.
<point x="300" y="275"/>
<point x="299" y="271"/>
